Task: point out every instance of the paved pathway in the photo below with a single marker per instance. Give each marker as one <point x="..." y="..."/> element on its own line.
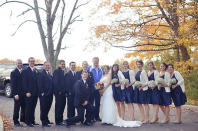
<point x="190" y="121"/>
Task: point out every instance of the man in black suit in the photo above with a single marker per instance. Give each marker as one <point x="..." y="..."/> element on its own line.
<point x="71" y="79"/>
<point x="59" y="91"/>
<point x="90" y="79"/>
<point x="45" y="85"/>
<point x="81" y="102"/>
<point x="19" y="101"/>
<point x="30" y="88"/>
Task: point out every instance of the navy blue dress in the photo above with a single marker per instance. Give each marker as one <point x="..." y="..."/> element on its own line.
<point x="118" y="94"/>
<point x="178" y="96"/>
<point x="165" y="96"/>
<point x="140" y="97"/>
<point x="154" y="93"/>
<point x="129" y="93"/>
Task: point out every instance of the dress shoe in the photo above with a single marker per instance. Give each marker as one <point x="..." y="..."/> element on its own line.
<point x="30" y="125"/>
<point x="35" y="124"/>
<point x="50" y="123"/>
<point x="46" y="125"/>
<point x="18" y="124"/>
<point x="87" y="124"/>
<point x="60" y="124"/>
<point x="98" y="119"/>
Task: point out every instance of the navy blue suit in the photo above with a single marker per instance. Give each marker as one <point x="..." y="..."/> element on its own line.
<point x="45" y="85"/>
<point x="29" y="81"/>
<point x="59" y="91"/>
<point x="90" y="81"/>
<point x="16" y="83"/>
<point x="82" y="94"/>
<point x="70" y="82"/>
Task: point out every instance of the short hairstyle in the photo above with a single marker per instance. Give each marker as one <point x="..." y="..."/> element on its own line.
<point x="171" y="65"/>
<point x="106" y="66"/>
<point x="30" y="58"/>
<point x="95" y="58"/>
<point x="84" y="72"/>
<point x="45" y="62"/>
<point x="61" y="61"/>
<point x="84" y="62"/>
<point x="140" y="61"/>
<point x="152" y="63"/>
<point x="72" y="62"/>
<point x="166" y="66"/>
<point x="18" y="60"/>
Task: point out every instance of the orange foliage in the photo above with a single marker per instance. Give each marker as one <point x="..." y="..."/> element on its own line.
<point x="6" y="60"/>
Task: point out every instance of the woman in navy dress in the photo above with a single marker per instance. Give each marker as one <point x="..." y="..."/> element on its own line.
<point x="129" y="93"/>
<point x="141" y="95"/>
<point x="177" y="91"/>
<point x="118" y="93"/>
<point x="155" y="99"/>
<point x="165" y="92"/>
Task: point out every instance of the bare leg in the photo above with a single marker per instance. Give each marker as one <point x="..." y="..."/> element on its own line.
<point x="155" y="110"/>
<point x="167" y="111"/>
<point x="178" y="110"/>
<point x="122" y="110"/>
<point x="131" y="111"/>
<point x="146" y="106"/>
<point x="119" y="110"/>
<point x="141" y="112"/>
<point x="163" y="109"/>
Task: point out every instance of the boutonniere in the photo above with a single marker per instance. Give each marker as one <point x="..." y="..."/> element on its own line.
<point x="86" y="85"/>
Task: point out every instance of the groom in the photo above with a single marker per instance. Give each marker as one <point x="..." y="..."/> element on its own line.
<point x="95" y="97"/>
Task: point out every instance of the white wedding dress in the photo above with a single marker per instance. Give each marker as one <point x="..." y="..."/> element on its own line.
<point x="109" y="109"/>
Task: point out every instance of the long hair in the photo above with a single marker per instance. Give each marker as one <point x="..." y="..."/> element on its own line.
<point x="166" y="66"/>
<point x="126" y="62"/>
<point x="114" y="72"/>
<point x="152" y="63"/>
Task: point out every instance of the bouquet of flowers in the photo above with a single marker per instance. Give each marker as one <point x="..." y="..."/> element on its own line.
<point x="137" y="84"/>
<point x="160" y="81"/>
<point x="99" y="86"/>
<point x="173" y="81"/>
<point x="125" y="82"/>
<point x="151" y="84"/>
<point x="113" y="81"/>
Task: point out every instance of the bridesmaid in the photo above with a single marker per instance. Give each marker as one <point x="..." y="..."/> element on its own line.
<point x="177" y="91"/>
<point x="155" y="99"/>
<point x="129" y="93"/>
<point x="165" y="92"/>
<point x="118" y="93"/>
<point x="141" y="95"/>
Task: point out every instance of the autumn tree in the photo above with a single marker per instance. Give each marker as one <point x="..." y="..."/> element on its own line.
<point x="152" y="27"/>
<point x="53" y="19"/>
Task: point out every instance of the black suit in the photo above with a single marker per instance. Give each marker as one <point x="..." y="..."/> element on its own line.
<point x="59" y="91"/>
<point x="29" y="80"/>
<point x="16" y="83"/>
<point x="70" y="81"/>
<point x="90" y="81"/>
<point x="45" y="85"/>
<point x="82" y="93"/>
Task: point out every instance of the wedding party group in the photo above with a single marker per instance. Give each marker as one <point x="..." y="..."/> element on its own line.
<point x="83" y="92"/>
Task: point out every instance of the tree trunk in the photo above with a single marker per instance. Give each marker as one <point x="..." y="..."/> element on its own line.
<point x="178" y="54"/>
<point x="184" y="52"/>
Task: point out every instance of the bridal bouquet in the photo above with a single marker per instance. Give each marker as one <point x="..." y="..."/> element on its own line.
<point x="99" y="86"/>
<point x="113" y="81"/>
<point x="173" y="81"/>
<point x="151" y="84"/>
<point x="137" y="84"/>
<point x="160" y="81"/>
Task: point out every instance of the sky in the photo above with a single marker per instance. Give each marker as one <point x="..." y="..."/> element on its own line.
<point x="27" y="41"/>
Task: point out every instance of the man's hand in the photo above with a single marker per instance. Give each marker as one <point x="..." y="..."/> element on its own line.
<point x="42" y="94"/>
<point x="28" y="94"/>
<point x="16" y="97"/>
<point x="59" y="92"/>
<point x="85" y="103"/>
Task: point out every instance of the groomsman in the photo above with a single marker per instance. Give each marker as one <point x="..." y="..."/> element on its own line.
<point x="90" y="79"/>
<point x="71" y="79"/>
<point x="95" y="97"/>
<point x="59" y="91"/>
<point x="29" y="80"/>
<point x="82" y="93"/>
<point x="19" y="101"/>
<point x="45" y="85"/>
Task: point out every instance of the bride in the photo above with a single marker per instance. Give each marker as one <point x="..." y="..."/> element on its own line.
<point x="109" y="109"/>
